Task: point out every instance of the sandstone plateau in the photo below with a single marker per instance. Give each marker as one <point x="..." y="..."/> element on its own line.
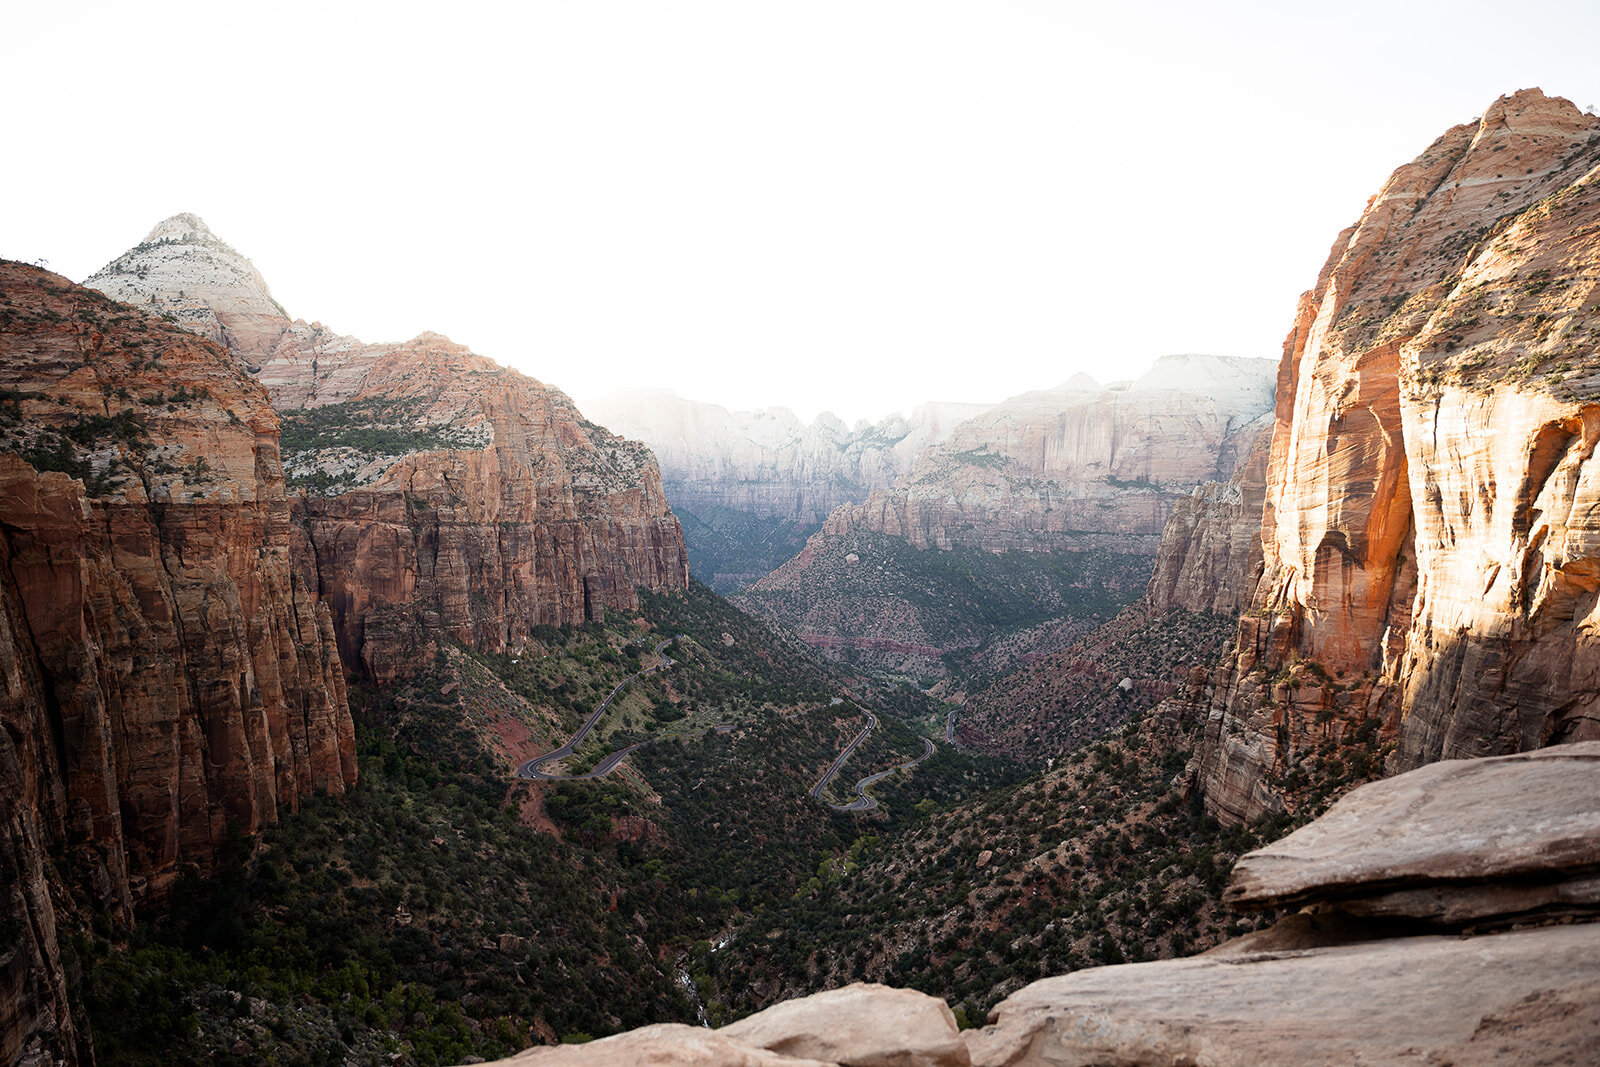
<point x="169" y="672"/>
<point x="1431" y="553"/>
<point x="1327" y="985"/>
<point x="447" y="495"/>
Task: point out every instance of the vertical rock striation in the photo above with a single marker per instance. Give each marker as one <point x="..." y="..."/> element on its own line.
<point x="168" y="677"/>
<point x="1431" y="551"/>
<point x="1209" y="559"/>
<point x="445" y="495"/>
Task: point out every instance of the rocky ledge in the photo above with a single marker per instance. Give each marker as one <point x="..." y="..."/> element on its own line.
<point x="1384" y="962"/>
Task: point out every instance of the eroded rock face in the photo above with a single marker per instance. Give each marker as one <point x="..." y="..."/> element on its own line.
<point x="549" y="519"/>
<point x="1428" y="538"/>
<point x="1506" y="998"/>
<point x="446" y="495"/>
<point x="1209" y="559"/>
<point x="168" y="674"/>
<point x="1080" y="464"/>
<point x="863" y="1023"/>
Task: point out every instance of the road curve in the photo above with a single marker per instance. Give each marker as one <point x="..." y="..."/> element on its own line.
<point x="609" y="762"/>
<point x="833" y="768"/>
<point x="862" y="802"/>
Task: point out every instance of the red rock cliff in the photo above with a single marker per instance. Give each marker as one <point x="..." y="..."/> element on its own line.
<point x="167" y="675"/>
<point x="447" y="495"/>
<point x="1431" y="532"/>
<point x="535" y="516"/>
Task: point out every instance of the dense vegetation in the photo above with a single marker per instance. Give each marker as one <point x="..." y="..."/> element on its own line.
<point x="874" y="595"/>
<point x="1043" y="709"/>
<point x="1104" y="860"/>
<point x="425" y="916"/>
<point x="324" y="448"/>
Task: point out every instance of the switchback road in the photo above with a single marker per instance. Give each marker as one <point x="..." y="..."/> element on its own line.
<point x="833" y="768"/>
<point x="607" y="764"/>
<point x="862" y="802"/>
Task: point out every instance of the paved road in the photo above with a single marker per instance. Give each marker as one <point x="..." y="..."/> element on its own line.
<point x="833" y="768"/>
<point x="950" y="728"/>
<point x="609" y="763"/>
<point x="862" y="802"/>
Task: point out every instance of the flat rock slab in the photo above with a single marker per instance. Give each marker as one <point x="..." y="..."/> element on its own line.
<point x="1530" y="996"/>
<point x="1422" y="840"/>
<point x="859" y="1025"/>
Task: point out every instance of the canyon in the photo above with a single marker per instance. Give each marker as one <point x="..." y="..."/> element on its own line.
<point x="1050" y="504"/>
<point x="751" y="486"/>
<point x="239" y="552"/>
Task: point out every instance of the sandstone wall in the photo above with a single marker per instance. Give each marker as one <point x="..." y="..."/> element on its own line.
<point x="1080" y="465"/>
<point x="1209" y="559"/>
<point x="551" y="521"/>
<point x="168" y="676"/>
<point x="456" y="497"/>
<point x="1429" y="551"/>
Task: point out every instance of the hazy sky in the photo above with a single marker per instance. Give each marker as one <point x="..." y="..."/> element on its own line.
<point x="854" y="206"/>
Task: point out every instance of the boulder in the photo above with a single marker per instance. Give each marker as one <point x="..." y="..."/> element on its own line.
<point x="861" y="1025"/>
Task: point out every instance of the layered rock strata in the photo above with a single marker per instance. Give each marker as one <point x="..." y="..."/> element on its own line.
<point x="1209" y="558"/>
<point x="446" y="495"/>
<point x="1078" y="465"/>
<point x="1505" y="839"/>
<point x="169" y="676"/>
<point x="1429" y="540"/>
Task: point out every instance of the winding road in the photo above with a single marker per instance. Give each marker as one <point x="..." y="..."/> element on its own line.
<point x="862" y="802"/>
<point x="833" y="768"/>
<point x="608" y="763"/>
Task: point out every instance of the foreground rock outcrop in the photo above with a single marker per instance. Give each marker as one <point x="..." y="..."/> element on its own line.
<point x="1327" y="985"/>
<point x="167" y="676"/>
<point x="445" y="495"/>
<point x="1505" y="839"/>
<point x="1431" y="555"/>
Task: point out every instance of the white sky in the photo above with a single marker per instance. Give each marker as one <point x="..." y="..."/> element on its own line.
<point x="854" y="206"/>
